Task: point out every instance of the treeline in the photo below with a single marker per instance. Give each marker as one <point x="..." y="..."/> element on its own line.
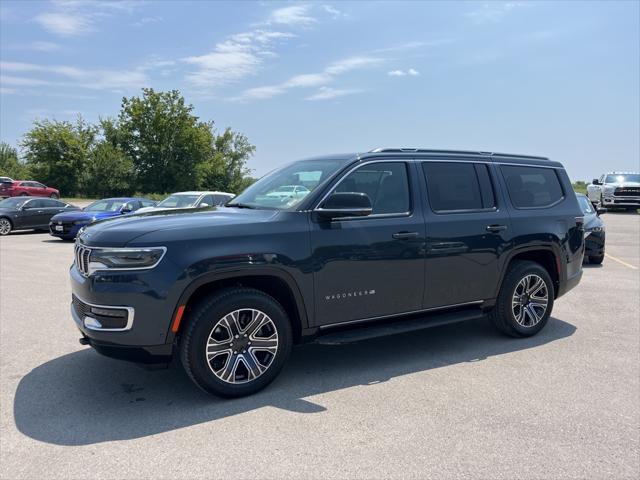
<point x="155" y="145"/>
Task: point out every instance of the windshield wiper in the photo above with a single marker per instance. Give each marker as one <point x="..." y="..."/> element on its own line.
<point x="241" y="205"/>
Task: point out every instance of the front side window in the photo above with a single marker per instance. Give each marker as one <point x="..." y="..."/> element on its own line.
<point x="585" y="204"/>
<point x="385" y="183"/>
<point x="455" y="186"/>
<point x="50" y="203"/>
<point x="277" y="191"/>
<point x="532" y="187"/>
<point x="15" y="202"/>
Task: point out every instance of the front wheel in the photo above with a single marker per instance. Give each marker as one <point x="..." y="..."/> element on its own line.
<point x="235" y="342"/>
<point x="55" y="196"/>
<point x="596" y="259"/>
<point x="525" y="300"/>
<point x="5" y="226"/>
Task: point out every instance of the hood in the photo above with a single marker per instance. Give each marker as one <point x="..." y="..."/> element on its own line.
<point x="79" y="215"/>
<point x="170" y="225"/>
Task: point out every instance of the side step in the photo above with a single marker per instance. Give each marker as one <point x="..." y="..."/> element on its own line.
<point x="366" y="331"/>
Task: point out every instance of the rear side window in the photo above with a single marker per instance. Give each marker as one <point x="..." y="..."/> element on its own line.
<point x="50" y="203"/>
<point x="532" y="187"/>
<point x="453" y="186"/>
<point x="386" y="184"/>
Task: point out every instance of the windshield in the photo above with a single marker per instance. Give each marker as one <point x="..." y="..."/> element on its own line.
<point x="179" y="201"/>
<point x="13" y="202"/>
<point x="585" y="205"/>
<point x="288" y="186"/>
<point x="623" y="177"/>
<point x="104" y="206"/>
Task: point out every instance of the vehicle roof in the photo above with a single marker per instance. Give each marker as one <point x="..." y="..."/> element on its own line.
<point x="121" y="199"/>
<point x="422" y="153"/>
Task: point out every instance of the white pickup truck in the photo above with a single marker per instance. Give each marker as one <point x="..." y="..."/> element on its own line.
<point x="616" y="190"/>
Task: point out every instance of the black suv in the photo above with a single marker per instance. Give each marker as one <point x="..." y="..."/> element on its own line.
<point x="335" y="248"/>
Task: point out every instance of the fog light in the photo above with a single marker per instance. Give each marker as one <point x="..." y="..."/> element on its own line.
<point x="91" y="322"/>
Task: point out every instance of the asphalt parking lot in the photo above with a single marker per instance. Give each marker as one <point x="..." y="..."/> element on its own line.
<point x="450" y="402"/>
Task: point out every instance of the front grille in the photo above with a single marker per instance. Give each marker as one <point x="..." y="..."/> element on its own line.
<point x="107" y="318"/>
<point x="81" y="261"/>
<point x="66" y="227"/>
<point x="626" y="191"/>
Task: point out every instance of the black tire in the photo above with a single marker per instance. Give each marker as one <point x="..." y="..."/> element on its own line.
<point x="596" y="259"/>
<point x="202" y="320"/>
<point x="5" y="226"/>
<point x="24" y="194"/>
<point x="54" y="196"/>
<point x="502" y="315"/>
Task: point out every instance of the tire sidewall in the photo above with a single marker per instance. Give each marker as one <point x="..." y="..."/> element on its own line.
<point x="207" y="314"/>
<point x="10" y="226"/>
<point x="518" y="274"/>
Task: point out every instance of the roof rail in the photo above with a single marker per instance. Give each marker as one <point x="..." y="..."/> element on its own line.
<point x="453" y="152"/>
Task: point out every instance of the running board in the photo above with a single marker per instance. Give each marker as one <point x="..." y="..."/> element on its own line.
<point x="374" y="330"/>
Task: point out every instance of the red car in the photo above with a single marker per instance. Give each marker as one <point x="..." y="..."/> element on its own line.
<point x="27" y="188"/>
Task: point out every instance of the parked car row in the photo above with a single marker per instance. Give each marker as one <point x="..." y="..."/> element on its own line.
<point x="64" y="220"/>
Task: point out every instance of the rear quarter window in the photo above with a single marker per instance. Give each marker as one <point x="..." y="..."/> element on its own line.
<point x="532" y="187"/>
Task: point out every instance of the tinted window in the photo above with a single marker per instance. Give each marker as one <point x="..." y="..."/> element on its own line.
<point x="623" y="177"/>
<point x="453" y="186"/>
<point x="208" y="199"/>
<point x="108" y="205"/>
<point x="585" y="204"/>
<point x="52" y="203"/>
<point x="36" y="184"/>
<point x="34" y="204"/>
<point x="386" y="185"/>
<point x="532" y="186"/>
<point x="147" y="203"/>
<point x="221" y="199"/>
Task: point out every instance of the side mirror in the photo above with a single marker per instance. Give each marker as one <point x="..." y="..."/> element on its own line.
<point x="345" y="204"/>
<point x="204" y="205"/>
<point x="126" y="210"/>
<point x="595" y="181"/>
<point x="600" y="211"/>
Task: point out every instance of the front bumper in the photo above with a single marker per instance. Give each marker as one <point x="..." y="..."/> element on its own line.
<point x="69" y="230"/>
<point x="594" y="244"/>
<point x="618" y="201"/>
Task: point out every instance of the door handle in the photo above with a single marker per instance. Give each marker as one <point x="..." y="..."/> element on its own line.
<point x="444" y="248"/>
<point x="496" y="228"/>
<point x="405" y="235"/>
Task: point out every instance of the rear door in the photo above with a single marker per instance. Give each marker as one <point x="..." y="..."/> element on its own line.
<point x="38" y="190"/>
<point x="468" y="229"/>
<point x="50" y="207"/>
<point x="32" y="214"/>
<point x="373" y="266"/>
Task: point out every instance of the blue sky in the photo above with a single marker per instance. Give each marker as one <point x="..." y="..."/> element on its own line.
<point x="300" y="79"/>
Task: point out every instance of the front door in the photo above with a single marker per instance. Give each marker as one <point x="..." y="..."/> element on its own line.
<point x="467" y="231"/>
<point x="371" y="266"/>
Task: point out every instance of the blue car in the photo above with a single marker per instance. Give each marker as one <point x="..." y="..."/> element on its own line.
<point x="66" y="225"/>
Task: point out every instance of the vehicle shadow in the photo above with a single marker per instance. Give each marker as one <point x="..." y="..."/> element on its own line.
<point x="83" y="398"/>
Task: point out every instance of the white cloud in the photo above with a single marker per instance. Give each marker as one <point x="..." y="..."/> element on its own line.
<point x="96" y="79"/>
<point x="403" y="73"/>
<point x="493" y="12"/>
<point x="146" y="20"/>
<point x="239" y="56"/>
<point x="307" y="80"/>
<point x="327" y="93"/>
<point x="45" y="46"/>
<point x="294" y="15"/>
<point x="65" y="24"/>
<point x="334" y="12"/>
<point x="78" y="17"/>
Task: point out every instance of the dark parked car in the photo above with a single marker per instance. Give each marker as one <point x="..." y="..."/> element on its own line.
<point x="594" y="230"/>
<point x="66" y="225"/>
<point x="24" y="213"/>
<point x="382" y="242"/>
<point x="27" y="188"/>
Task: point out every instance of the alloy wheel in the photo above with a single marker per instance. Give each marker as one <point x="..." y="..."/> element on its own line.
<point x="5" y="226"/>
<point x="530" y="300"/>
<point x="242" y="346"/>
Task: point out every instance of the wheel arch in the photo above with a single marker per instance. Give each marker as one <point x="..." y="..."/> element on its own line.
<point x="546" y="256"/>
<point x="273" y="282"/>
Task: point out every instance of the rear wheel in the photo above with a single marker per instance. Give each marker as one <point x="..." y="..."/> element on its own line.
<point x="5" y="226"/>
<point x="236" y="342"/>
<point x="24" y="194"/>
<point x="525" y="300"/>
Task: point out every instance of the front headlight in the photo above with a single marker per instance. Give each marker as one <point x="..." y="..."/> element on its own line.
<point x="608" y="189"/>
<point x="125" y="258"/>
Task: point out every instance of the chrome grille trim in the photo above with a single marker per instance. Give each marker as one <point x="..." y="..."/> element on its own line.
<point x="82" y="254"/>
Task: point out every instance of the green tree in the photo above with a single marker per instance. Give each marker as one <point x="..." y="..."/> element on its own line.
<point x="163" y="138"/>
<point x="108" y="171"/>
<point x="56" y="152"/>
<point x="225" y="169"/>
<point x="10" y="164"/>
<point x="580" y="187"/>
